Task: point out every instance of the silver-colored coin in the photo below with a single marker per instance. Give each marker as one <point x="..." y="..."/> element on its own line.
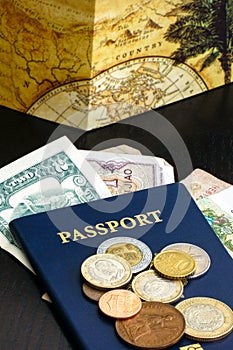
<point x="200" y="255"/>
<point x="149" y="286"/>
<point x="106" y="271"/>
<point x="207" y="319"/>
<point x="137" y="253"/>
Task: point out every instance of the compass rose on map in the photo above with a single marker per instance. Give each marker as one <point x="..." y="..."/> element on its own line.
<point x="124" y="90"/>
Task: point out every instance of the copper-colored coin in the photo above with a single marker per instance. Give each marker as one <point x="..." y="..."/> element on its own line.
<point x="120" y="303"/>
<point x="156" y="326"/>
<point x="92" y="293"/>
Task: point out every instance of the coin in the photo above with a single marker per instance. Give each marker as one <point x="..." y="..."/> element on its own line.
<point x="120" y="303"/>
<point x="92" y="293"/>
<point x="137" y="253"/>
<point x="206" y="319"/>
<point x="174" y="264"/>
<point x="149" y="286"/>
<point x="200" y="255"/>
<point x="106" y="271"/>
<point x="156" y="326"/>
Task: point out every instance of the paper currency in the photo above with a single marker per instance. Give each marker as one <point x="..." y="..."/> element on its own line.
<point x="202" y="184"/>
<point x="51" y="177"/>
<point x="122" y="149"/>
<point x="124" y="173"/>
<point x="218" y="211"/>
<point x="119" y="171"/>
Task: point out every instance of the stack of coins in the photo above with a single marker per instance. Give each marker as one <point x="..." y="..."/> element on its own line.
<point x="137" y="290"/>
<point x="201" y="257"/>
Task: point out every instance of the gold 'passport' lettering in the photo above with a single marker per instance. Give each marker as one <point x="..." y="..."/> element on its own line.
<point x="111" y="226"/>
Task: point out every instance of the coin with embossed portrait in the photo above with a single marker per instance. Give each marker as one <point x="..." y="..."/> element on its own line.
<point x="156" y="326"/>
<point x="120" y="303"/>
<point x="149" y="286"/>
<point x="207" y="319"/>
<point x="136" y="252"/>
<point x="174" y="264"/>
<point x="200" y="255"/>
<point x="106" y="271"/>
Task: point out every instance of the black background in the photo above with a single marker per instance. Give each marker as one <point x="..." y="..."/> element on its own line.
<point x="204" y="123"/>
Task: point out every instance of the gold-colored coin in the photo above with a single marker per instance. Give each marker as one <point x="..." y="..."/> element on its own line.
<point x="200" y="255"/>
<point x="149" y="286"/>
<point x="106" y="271"/>
<point x="136" y="252"/>
<point x="174" y="264"/>
<point x="120" y="303"/>
<point x="125" y="250"/>
<point x="207" y="319"/>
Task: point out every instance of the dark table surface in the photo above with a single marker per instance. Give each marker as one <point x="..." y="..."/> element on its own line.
<point x="194" y="133"/>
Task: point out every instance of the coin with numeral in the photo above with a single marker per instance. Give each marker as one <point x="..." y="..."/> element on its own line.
<point x="200" y="255"/>
<point x="106" y="271"/>
<point x="136" y="252"/>
<point x="174" y="264"/>
<point x="207" y="319"/>
<point x="120" y="303"/>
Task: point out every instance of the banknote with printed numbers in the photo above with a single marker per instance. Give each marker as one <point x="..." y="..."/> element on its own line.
<point x="124" y="173"/>
<point x="54" y="176"/>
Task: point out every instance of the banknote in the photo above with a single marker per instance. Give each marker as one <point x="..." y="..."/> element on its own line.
<point x="218" y="211"/>
<point x="54" y="176"/>
<point x="121" y="149"/>
<point x="123" y="173"/>
<point x="202" y="184"/>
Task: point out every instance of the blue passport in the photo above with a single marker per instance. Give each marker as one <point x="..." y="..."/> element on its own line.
<point x="58" y="241"/>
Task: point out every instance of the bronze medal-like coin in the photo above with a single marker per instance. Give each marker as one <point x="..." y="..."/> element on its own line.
<point x="92" y="293"/>
<point x="174" y="264"/>
<point x="120" y="303"/>
<point x="156" y="326"/>
<point x="207" y="319"/>
<point x="106" y="271"/>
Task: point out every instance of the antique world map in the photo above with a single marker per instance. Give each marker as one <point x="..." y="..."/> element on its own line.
<point x="91" y="63"/>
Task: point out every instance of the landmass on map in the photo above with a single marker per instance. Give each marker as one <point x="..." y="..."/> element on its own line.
<point x="91" y="63"/>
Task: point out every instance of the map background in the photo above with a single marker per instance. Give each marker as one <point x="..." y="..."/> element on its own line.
<point x="48" y="44"/>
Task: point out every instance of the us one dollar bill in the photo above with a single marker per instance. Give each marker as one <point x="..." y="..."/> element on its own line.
<point x="124" y="173"/>
<point x="54" y="176"/>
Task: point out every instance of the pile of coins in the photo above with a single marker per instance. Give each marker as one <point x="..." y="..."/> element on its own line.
<point x="137" y="289"/>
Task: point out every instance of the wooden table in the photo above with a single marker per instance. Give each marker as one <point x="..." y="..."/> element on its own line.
<point x="203" y="123"/>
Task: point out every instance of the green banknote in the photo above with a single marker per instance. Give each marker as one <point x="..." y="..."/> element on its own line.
<point x="54" y="176"/>
<point x="219" y="219"/>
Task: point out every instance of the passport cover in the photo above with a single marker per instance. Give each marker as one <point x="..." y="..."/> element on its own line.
<point x="58" y="241"/>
